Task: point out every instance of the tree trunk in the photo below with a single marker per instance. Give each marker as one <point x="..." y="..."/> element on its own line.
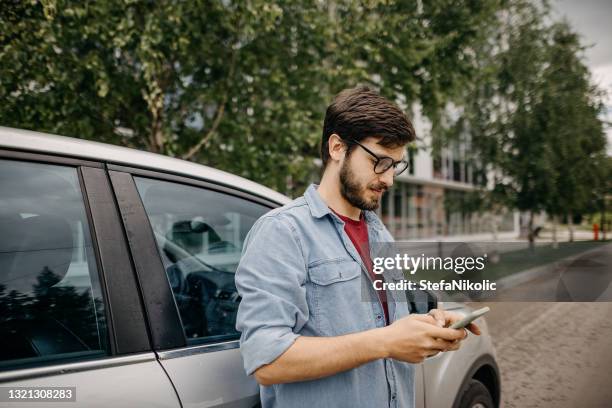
<point x="494" y="227"/>
<point x="554" y="232"/>
<point x="570" y="225"/>
<point x="603" y="221"/>
<point x="530" y="235"/>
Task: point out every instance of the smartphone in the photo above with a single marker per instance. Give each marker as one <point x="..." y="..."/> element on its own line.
<point x="460" y="324"/>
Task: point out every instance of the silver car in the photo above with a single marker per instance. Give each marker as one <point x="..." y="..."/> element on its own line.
<point x="117" y="283"/>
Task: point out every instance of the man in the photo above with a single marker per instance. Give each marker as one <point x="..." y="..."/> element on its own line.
<point x="308" y="335"/>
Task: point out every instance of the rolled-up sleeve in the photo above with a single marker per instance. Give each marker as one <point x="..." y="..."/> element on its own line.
<point x="270" y="279"/>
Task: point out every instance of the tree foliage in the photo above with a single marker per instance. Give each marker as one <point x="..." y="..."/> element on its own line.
<point x="533" y="115"/>
<point x="239" y="85"/>
<point x="243" y="85"/>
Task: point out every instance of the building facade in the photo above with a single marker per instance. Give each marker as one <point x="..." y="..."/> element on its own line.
<point x="433" y="199"/>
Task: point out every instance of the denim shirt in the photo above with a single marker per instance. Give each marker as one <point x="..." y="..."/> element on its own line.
<point x="300" y="274"/>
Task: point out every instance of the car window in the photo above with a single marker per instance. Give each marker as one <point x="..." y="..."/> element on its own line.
<point x="50" y="299"/>
<point x="199" y="234"/>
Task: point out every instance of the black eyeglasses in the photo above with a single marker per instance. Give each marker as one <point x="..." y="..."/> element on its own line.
<point x="385" y="163"/>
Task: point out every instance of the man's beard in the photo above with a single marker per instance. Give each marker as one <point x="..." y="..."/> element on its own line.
<point x="352" y="191"/>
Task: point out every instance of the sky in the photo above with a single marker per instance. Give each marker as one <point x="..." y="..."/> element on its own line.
<point x="592" y="19"/>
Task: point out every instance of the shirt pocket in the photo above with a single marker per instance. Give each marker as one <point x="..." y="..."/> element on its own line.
<point x="336" y="303"/>
<point x="397" y="296"/>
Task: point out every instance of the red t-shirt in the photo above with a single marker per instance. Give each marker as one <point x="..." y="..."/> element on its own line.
<point x="358" y="233"/>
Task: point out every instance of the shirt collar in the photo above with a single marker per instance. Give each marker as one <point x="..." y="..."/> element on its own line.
<point x="319" y="209"/>
<point x="317" y="206"/>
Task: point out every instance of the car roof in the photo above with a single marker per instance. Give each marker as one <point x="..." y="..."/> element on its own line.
<point x="37" y="142"/>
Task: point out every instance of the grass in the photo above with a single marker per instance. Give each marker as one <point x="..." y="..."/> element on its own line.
<point x="514" y="261"/>
<point x="524" y="259"/>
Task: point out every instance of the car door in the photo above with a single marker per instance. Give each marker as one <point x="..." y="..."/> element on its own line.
<point x="70" y="311"/>
<point x="196" y="229"/>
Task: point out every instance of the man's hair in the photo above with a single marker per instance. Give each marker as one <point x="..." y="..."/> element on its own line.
<point x="358" y="113"/>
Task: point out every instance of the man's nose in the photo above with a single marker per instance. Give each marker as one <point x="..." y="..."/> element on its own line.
<point x="387" y="177"/>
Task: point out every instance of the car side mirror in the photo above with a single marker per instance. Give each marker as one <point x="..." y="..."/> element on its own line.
<point x="421" y="301"/>
<point x="432" y="300"/>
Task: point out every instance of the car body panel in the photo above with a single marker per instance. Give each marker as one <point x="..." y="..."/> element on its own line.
<point x="128" y="382"/>
<point x="222" y="381"/>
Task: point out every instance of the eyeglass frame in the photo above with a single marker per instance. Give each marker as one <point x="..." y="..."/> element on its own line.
<point x="378" y="159"/>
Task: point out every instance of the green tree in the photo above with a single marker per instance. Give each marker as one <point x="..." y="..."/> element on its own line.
<point x="239" y="85"/>
<point x="532" y="116"/>
<point x="569" y="113"/>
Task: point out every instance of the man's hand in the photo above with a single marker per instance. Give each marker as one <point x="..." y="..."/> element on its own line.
<point x="445" y="318"/>
<point x="416" y="337"/>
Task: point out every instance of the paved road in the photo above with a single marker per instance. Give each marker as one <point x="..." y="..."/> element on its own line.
<point x="554" y="354"/>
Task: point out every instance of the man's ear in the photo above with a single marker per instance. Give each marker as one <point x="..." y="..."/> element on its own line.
<point x="336" y="146"/>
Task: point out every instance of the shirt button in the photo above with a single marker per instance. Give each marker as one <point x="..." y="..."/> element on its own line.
<point x="393" y="397"/>
<point x="378" y="317"/>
